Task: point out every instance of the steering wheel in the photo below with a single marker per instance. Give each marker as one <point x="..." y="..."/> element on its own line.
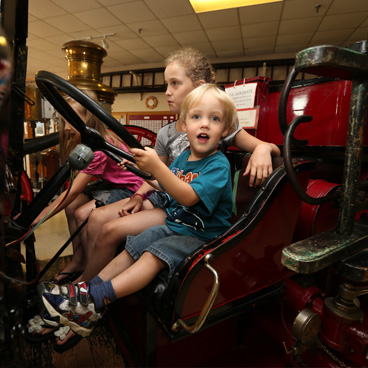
<point x="50" y="84"/>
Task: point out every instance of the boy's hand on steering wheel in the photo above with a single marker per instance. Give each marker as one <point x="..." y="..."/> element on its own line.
<point x="132" y="206"/>
<point x="147" y="159"/>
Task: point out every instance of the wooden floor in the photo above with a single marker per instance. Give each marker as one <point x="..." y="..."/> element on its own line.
<point x="98" y="350"/>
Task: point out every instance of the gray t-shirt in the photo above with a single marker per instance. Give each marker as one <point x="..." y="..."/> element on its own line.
<point x="172" y="143"/>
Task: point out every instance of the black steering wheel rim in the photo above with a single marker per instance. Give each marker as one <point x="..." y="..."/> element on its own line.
<point x="50" y="84"/>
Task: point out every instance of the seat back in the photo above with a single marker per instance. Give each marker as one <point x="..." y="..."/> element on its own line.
<point x="242" y="192"/>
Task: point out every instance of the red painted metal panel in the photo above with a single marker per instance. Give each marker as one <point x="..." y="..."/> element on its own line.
<point x="328" y="103"/>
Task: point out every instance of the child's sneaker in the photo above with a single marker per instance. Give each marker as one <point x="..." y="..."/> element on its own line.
<point x="72" y="303"/>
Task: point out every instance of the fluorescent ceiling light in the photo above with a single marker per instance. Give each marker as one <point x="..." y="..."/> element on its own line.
<point x="201" y="6"/>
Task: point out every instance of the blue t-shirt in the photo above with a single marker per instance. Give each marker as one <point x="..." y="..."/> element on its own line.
<point x="211" y="180"/>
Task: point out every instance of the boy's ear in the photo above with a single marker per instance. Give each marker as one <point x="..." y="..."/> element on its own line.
<point x="225" y="133"/>
<point x="184" y="125"/>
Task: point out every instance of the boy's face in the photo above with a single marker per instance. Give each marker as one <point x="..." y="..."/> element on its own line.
<point x="178" y="86"/>
<point x="205" y="126"/>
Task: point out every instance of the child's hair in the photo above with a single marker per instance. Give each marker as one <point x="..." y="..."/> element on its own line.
<point x="67" y="144"/>
<point x="194" y="98"/>
<point x="195" y="64"/>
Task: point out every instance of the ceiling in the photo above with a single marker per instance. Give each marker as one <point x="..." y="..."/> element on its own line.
<point x="145" y="31"/>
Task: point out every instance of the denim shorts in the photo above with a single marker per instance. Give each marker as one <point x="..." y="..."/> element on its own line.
<point x="165" y="244"/>
<point x="157" y="198"/>
<point x="105" y="193"/>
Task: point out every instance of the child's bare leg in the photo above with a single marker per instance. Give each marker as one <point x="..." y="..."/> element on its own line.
<point x="113" y="234"/>
<point x="97" y="219"/>
<point x="81" y="215"/>
<point x="78" y="258"/>
<point x="138" y="275"/>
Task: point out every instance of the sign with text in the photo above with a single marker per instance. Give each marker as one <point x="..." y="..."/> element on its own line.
<point x="244" y="96"/>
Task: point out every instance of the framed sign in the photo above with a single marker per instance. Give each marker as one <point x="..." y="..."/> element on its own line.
<point x="248" y="118"/>
<point x="245" y="94"/>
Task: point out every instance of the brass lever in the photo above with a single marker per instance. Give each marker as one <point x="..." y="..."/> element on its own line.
<point x="207" y="306"/>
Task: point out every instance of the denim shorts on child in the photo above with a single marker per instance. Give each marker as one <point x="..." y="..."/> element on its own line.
<point x="161" y="241"/>
<point x="106" y="193"/>
<point x="157" y="198"/>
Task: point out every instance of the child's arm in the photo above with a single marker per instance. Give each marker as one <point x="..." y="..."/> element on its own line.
<point x="182" y="192"/>
<point x="260" y="164"/>
<point x="136" y="200"/>
<point x="121" y="164"/>
<point x="79" y="183"/>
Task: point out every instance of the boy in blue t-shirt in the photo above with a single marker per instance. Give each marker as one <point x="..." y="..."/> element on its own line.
<point x="198" y="207"/>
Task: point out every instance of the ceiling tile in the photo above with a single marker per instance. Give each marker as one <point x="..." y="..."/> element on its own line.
<point x="122" y="32"/>
<point x="148" y="28"/>
<point x="259" y="42"/>
<point x="260" y="13"/>
<point x="228" y="17"/>
<point x="227" y="53"/>
<point x="336" y="37"/>
<point x="44" y="8"/>
<point x="329" y="22"/>
<point x="185" y="38"/>
<point x="115" y="64"/>
<point x="357" y="35"/>
<point x="160" y="41"/>
<point x="148" y="55"/>
<point x="125" y="57"/>
<point x="57" y="59"/>
<point x="224" y="33"/>
<point x="69" y="22"/>
<point x="261" y="50"/>
<point x="204" y="47"/>
<point x="298" y="25"/>
<point x="365" y="23"/>
<point x="165" y="50"/>
<point x="84" y="35"/>
<point x="39" y="28"/>
<point x="36" y="55"/>
<point x="169" y="8"/>
<point x="348" y="6"/>
<point x="292" y="48"/>
<point x="133" y="44"/>
<point x="259" y="29"/>
<point x="136" y="11"/>
<point x="294" y="39"/>
<point x="59" y="40"/>
<point x="183" y="23"/>
<point x="113" y="2"/>
<point x="42" y="44"/>
<point x="72" y="6"/>
<point x="113" y="46"/>
<point x="97" y="18"/>
<point x="227" y="45"/>
<point x="305" y="8"/>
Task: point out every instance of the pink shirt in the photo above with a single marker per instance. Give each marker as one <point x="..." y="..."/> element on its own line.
<point x="106" y="169"/>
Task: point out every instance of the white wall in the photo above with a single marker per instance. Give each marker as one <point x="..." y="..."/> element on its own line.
<point x="133" y="102"/>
